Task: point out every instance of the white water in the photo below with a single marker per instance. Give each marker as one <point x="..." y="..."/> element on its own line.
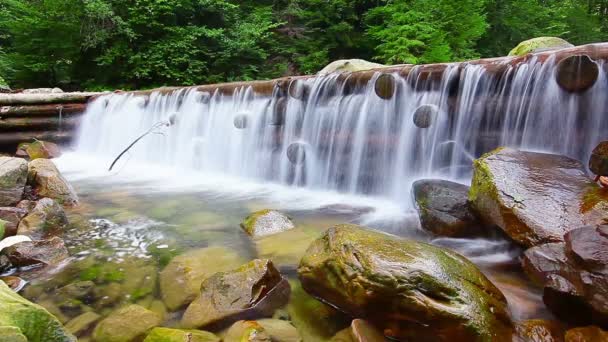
<point x="357" y="145"/>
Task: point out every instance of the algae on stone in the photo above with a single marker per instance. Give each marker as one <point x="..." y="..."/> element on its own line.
<point x="538" y="45"/>
<point x="266" y="222"/>
<point x="180" y="335"/>
<point x="126" y="325"/>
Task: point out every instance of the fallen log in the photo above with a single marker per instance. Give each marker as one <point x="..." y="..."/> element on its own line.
<point x="15" y="138"/>
<point x="43" y="110"/>
<point x="25" y="124"/>
<point x="49" y="98"/>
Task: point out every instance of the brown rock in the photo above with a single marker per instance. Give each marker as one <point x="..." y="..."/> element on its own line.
<point x="44" y="220"/>
<point x="539" y="330"/>
<point x="48" y="182"/>
<point x="42" y="149"/>
<point x="598" y="162"/>
<point x="47" y="252"/>
<point x="576" y="73"/>
<point x="12" y="216"/>
<point x="15" y="283"/>
<point x="586" y="334"/>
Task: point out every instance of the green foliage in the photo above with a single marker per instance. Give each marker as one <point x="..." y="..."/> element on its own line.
<point x="105" y="44"/>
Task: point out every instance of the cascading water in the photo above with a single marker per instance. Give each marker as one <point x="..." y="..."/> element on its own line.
<point x="348" y="139"/>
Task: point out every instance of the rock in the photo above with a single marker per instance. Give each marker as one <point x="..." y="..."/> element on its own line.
<point x="535" y="197"/>
<point x="46" y="252"/>
<point x="389" y="281"/>
<point x="11" y="334"/>
<point x="444" y="208"/>
<point x="46" y="180"/>
<point x="179" y="335"/>
<point x="280" y="330"/>
<point x="81" y="324"/>
<point x="4" y="88"/>
<point x="46" y="219"/>
<point x="13" y="176"/>
<point x="5" y="263"/>
<point x="266" y="222"/>
<point x="385" y="86"/>
<point x="78" y="290"/>
<point x="539" y="44"/>
<point x="586" y="334"/>
<point x="241" y="120"/>
<point x="12" y="216"/>
<point x="287" y="248"/>
<point x="125" y="325"/>
<point x="296" y="152"/>
<point x="181" y="279"/>
<point x="42" y="91"/>
<point x="32" y="320"/>
<point x="299" y="90"/>
<point x="15" y="283"/>
<point x="425" y="115"/>
<point x="539" y="330"/>
<point x="42" y="149"/>
<point x="349" y="65"/>
<point x="576" y="73"/>
<point x="247" y="331"/>
<point x="253" y="290"/>
<point x="598" y="163"/>
<point x="574" y="275"/>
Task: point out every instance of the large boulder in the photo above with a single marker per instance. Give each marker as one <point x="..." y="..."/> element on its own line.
<point x="128" y="324"/>
<point x="266" y="222"/>
<point x="539" y="44"/>
<point x="349" y="65"/>
<point x="535" y="197"/>
<point x="42" y="149"/>
<point x="45" y="219"/>
<point x="444" y="208"/>
<point x="13" y="176"/>
<point x="408" y="289"/>
<point x="253" y="290"/>
<point x="574" y="275"/>
<point x="181" y="279"/>
<point x="179" y="335"/>
<point x="28" y="319"/>
<point x="45" y="252"/>
<point x="47" y="181"/>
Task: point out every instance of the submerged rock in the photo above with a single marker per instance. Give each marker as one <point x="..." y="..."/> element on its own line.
<point x="444" y="208"/>
<point x="247" y="331"/>
<point x="46" y="252"/>
<point x="80" y="324"/>
<point x="586" y="334"/>
<point x="535" y="197"/>
<point x="47" y="181"/>
<point x="125" y="325"/>
<point x="409" y="289"/>
<point x="180" y="335"/>
<point x="181" y="279"/>
<point x="19" y="316"/>
<point x="13" y="176"/>
<point x="574" y="275"/>
<point x="46" y="218"/>
<point x="359" y="331"/>
<point x="266" y="222"/>
<point x="253" y="290"/>
<point x="280" y="330"/>
<point x="539" y="330"/>
<point x="539" y="44"/>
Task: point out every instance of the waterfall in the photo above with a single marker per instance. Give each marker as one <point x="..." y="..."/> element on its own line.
<point x="346" y="138"/>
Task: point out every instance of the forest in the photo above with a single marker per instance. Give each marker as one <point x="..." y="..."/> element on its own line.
<point x="128" y="44"/>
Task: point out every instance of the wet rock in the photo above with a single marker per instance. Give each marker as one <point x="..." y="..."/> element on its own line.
<point x="81" y="324"/>
<point x="535" y="197"/>
<point x="287" y="248"/>
<point x="45" y="219"/>
<point x="127" y="324"/>
<point x="539" y="330"/>
<point x="15" y="283"/>
<point x="387" y="281"/>
<point x="359" y="331"/>
<point x="46" y="252"/>
<point x="586" y="334"/>
<point x="385" y="86"/>
<point x="181" y="279"/>
<point x="296" y="153"/>
<point x="12" y="216"/>
<point x="253" y="290"/>
<point x="32" y="320"/>
<point x="280" y="330"/>
<point x="574" y="275"/>
<point x="266" y="222"/>
<point x="47" y="181"/>
<point x="79" y="289"/>
<point x="13" y="176"/>
<point x="425" y="115"/>
<point x="241" y="120"/>
<point x="179" y="335"/>
<point x="539" y="44"/>
<point x="576" y="73"/>
<point x="247" y="331"/>
<point x="5" y="263"/>
<point x="42" y="149"/>
<point x="299" y="90"/>
<point x="598" y="163"/>
<point x="349" y="65"/>
<point x="444" y="208"/>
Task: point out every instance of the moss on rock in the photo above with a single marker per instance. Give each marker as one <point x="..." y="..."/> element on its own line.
<point x="179" y="335"/>
<point x="125" y="325"/>
<point x="538" y="45"/>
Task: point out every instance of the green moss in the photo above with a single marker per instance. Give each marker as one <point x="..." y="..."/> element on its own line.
<point x="531" y="45"/>
<point x="249" y="222"/>
<point x="593" y="196"/>
<point x="482" y="182"/>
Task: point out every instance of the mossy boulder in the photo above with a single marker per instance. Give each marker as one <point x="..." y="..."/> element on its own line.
<point x="408" y="289"/>
<point x="255" y="289"/>
<point x="539" y="44"/>
<point x="19" y="316"/>
<point x="46" y="219"/>
<point x="47" y="181"/>
<point x="266" y="222"/>
<point x="535" y="197"/>
<point x="180" y="335"/>
<point x="42" y="149"/>
<point x="13" y="177"/>
<point x="126" y="325"/>
<point x="181" y="279"/>
<point x="349" y="65"/>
